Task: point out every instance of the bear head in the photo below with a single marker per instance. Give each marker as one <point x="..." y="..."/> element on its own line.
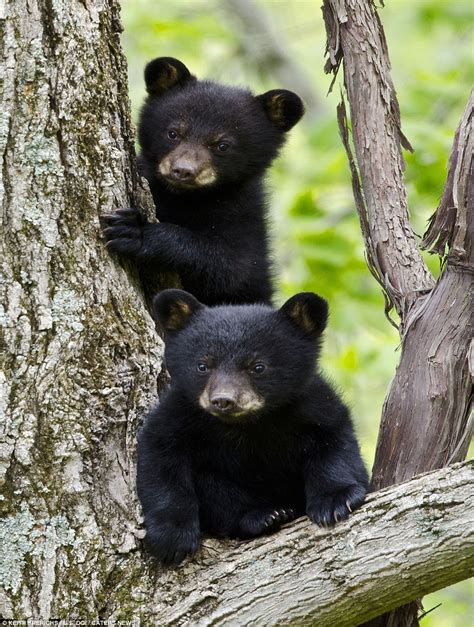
<point x="239" y="362"/>
<point x="201" y="134"/>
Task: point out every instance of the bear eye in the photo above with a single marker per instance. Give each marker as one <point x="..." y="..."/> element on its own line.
<point x="202" y="367"/>
<point x="222" y="146"/>
<point x="258" y="368"/>
<point x="172" y="134"/>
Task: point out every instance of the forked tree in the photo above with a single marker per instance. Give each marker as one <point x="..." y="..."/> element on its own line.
<point x="81" y="360"/>
<point x="425" y="419"/>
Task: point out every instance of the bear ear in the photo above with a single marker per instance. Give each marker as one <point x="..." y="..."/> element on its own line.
<point x="165" y="73"/>
<point x="174" y="309"/>
<point x="308" y="311"/>
<point x="283" y="108"/>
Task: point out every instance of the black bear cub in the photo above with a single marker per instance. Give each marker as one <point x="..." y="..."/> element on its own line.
<point x="205" y="149"/>
<point x="249" y="436"/>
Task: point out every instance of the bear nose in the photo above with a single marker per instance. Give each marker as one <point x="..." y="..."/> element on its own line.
<point x="223" y="402"/>
<point x="183" y="171"/>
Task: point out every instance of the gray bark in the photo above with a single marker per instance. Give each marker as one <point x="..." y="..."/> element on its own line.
<point x="79" y="368"/>
<point x="425" y="420"/>
<point x="407" y="540"/>
<point x="80" y="356"/>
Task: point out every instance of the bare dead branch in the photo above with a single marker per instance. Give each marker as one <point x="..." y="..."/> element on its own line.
<point x="428" y="406"/>
<point x="361" y="208"/>
<point x="425" y="422"/>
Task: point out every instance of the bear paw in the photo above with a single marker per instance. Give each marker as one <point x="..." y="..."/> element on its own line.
<point x="258" y="522"/>
<point x="329" y="509"/>
<point x="170" y="544"/>
<point x="123" y="231"/>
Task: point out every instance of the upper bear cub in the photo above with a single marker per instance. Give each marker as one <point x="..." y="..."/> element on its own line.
<point x="249" y="435"/>
<point x="205" y="149"/>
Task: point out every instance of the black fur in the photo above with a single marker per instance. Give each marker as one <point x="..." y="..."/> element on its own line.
<point x="213" y="235"/>
<point x="242" y="476"/>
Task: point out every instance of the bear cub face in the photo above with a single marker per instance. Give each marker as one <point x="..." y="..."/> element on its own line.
<point x="189" y="149"/>
<point x="230" y="360"/>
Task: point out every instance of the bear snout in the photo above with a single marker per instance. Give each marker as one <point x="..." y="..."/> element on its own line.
<point x="229" y="395"/>
<point x="188" y="167"/>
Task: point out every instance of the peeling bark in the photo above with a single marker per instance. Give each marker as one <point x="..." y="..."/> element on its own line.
<point x="451" y="227"/>
<point x="425" y="421"/>
<point x="355" y="34"/>
<point x="426" y="417"/>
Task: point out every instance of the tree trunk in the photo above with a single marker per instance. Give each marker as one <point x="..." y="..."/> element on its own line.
<point x="425" y="420"/>
<point x="80" y="367"/>
<point x="80" y="354"/>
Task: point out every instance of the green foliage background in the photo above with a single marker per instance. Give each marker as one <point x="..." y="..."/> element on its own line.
<point x="317" y="241"/>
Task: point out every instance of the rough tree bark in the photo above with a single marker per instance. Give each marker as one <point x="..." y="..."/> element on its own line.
<point x="80" y="354"/>
<point x="425" y="420"/>
<point x="80" y="365"/>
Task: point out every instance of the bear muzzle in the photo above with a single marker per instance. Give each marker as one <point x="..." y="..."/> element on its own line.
<point x="187" y="168"/>
<point x="230" y="396"/>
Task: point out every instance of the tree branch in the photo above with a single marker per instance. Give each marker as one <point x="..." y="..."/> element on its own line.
<point x="405" y="541"/>
<point x="431" y="395"/>
<point x="425" y="418"/>
<point x="425" y="421"/>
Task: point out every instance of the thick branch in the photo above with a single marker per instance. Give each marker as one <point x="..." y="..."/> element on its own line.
<point x="407" y="540"/>
<point x="425" y="422"/>
<point x="426" y="414"/>
<point x="425" y="417"/>
<point x="356" y="35"/>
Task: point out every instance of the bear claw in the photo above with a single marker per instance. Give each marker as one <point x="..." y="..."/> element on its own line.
<point x="280" y="516"/>
<point x="333" y="508"/>
<point x="259" y="522"/>
<point x="123" y="231"/>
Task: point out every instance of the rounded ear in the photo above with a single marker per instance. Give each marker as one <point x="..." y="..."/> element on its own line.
<point x="283" y="108"/>
<point x="164" y="73"/>
<point x="174" y="309"/>
<point x="308" y="311"/>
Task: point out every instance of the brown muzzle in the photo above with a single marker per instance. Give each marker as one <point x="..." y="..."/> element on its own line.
<point x="188" y="166"/>
<point x="230" y="394"/>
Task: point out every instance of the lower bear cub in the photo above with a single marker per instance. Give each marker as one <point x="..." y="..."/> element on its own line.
<point x="248" y="436"/>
